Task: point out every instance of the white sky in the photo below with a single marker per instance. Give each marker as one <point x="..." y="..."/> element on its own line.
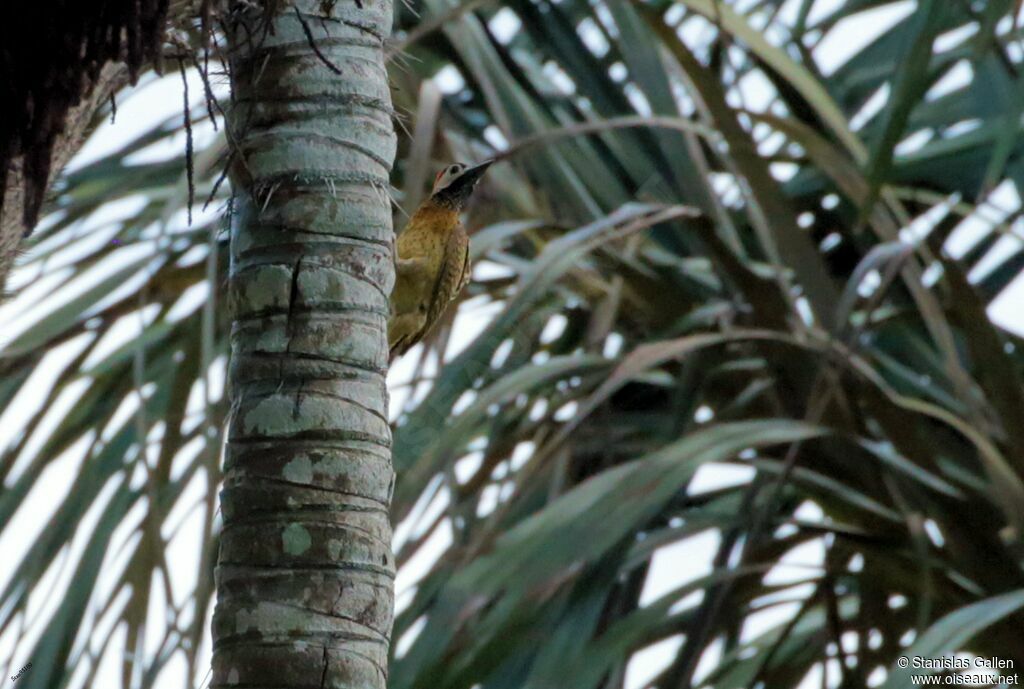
<point x="672" y="566"/>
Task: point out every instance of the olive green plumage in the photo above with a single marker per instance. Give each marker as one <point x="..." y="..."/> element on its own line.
<point x="433" y="258"/>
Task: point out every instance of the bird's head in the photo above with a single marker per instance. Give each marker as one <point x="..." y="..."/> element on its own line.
<point x="454" y="184"/>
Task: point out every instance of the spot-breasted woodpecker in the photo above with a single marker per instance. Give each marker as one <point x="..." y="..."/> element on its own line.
<point x="433" y="257"/>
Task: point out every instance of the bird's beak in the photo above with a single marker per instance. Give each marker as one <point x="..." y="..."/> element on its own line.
<point x="462" y="186"/>
<point x="473" y="174"/>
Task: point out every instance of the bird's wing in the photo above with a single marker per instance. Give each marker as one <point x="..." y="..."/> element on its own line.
<point x="453" y="276"/>
<point x="411" y="319"/>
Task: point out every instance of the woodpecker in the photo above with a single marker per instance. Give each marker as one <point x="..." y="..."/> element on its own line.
<point x="433" y="257"/>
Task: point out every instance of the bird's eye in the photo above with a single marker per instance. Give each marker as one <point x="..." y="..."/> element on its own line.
<point x="455" y="169"/>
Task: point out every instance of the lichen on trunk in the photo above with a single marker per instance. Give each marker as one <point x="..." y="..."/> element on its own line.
<point x="305" y="573"/>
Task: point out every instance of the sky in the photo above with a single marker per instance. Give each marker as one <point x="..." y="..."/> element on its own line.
<point x="154" y="100"/>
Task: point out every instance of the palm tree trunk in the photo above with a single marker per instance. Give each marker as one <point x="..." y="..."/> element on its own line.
<point x="305" y="574"/>
<point x="113" y="77"/>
